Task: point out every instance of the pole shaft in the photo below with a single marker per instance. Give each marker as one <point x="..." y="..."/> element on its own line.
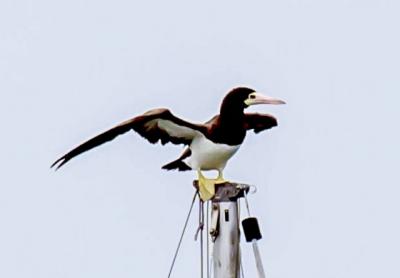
<point x="226" y="246"/>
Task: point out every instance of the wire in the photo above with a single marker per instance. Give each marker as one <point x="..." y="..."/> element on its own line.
<point x="241" y="270"/>
<point x="201" y="228"/>
<point x="182" y="234"/>
<point x="241" y="263"/>
<point x="257" y="256"/>
<point x="208" y="238"/>
<point x="247" y="204"/>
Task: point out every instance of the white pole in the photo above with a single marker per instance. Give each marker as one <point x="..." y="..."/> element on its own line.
<point x="226" y="246"/>
<point x="225" y="229"/>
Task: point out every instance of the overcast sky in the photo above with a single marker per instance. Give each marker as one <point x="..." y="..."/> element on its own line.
<point x="327" y="177"/>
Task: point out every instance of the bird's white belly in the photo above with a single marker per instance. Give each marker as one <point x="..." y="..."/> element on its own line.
<point x="207" y="155"/>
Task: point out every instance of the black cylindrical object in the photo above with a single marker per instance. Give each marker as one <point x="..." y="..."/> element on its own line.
<point x="251" y="229"/>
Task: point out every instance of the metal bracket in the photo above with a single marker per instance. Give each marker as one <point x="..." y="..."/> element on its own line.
<point x="214" y="222"/>
<point x="229" y="192"/>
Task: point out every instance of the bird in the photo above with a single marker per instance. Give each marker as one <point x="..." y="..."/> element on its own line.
<point x="209" y="146"/>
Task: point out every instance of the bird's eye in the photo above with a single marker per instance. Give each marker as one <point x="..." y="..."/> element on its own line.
<point x="252" y="96"/>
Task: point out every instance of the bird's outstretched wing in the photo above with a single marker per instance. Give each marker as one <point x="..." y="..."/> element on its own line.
<point x="259" y="122"/>
<point x="154" y="125"/>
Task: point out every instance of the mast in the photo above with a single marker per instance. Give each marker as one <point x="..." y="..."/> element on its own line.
<point x="224" y="229"/>
<point x="225" y="233"/>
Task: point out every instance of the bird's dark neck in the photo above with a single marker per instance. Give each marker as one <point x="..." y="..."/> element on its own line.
<point x="231" y="117"/>
<point x="230" y="129"/>
<point x="231" y="113"/>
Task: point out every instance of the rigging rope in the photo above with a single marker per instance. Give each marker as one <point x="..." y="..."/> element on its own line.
<point x="182" y="234"/>
<point x="200" y="230"/>
<point x="247" y="203"/>
<point x="241" y="263"/>
<point x="208" y="239"/>
<point x="240" y="248"/>
<point x="257" y="256"/>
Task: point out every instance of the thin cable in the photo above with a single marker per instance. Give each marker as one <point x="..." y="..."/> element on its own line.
<point x="212" y="268"/>
<point x="241" y="263"/>
<point x="256" y="251"/>
<point x="247" y="203"/>
<point x="240" y="248"/>
<point x="208" y="238"/>
<point x="182" y="234"/>
<point x="201" y="226"/>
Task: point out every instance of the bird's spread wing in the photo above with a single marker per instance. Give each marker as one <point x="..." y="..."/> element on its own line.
<point x="154" y="125"/>
<point x="259" y="122"/>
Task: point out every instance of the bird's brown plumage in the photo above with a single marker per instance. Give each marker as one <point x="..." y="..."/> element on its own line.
<point x="160" y="125"/>
<point x="140" y="124"/>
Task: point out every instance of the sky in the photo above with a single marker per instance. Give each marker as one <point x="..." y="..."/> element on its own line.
<point x="327" y="177"/>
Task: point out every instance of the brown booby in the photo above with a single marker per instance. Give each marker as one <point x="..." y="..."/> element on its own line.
<point x="209" y="145"/>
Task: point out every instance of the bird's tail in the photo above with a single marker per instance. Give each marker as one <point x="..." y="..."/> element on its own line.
<point x="178" y="165"/>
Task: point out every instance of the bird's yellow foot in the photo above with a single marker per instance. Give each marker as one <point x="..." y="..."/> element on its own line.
<point x="206" y="187"/>
<point x="220" y="179"/>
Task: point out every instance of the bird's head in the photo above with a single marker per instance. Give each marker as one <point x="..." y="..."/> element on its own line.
<point x="243" y="97"/>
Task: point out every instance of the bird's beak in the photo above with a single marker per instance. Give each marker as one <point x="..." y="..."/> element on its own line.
<point x="257" y="98"/>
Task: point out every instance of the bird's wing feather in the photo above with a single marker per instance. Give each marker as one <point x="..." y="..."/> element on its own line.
<point x="259" y="122"/>
<point x="154" y="125"/>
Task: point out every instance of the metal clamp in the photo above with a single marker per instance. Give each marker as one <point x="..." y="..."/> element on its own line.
<point x="214" y="222"/>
